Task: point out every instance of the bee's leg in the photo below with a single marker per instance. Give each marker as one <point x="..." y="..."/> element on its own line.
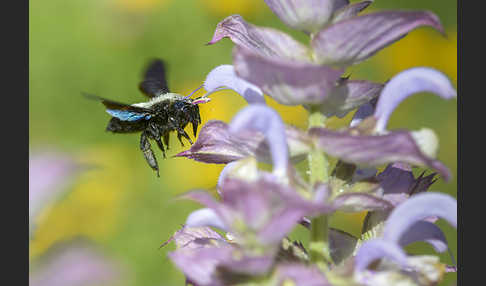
<point x="161" y="146"/>
<point x="166" y="140"/>
<point x="194" y="127"/>
<point x="148" y="153"/>
<point x="181" y="132"/>
<point x="180" y="139"/>
<point x="195" y="119"/>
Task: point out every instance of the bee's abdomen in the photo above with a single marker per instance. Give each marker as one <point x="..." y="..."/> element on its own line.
<point x="116" y="125"/>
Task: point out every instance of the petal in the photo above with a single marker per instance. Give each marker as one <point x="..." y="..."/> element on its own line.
<point x="215" y="144"/>
<point x="226" y="170"/>
<point x="267" y="121"/>
<point x="350" y="95"/>
<point x="377" y="249"/>
<point x="72" y="264"/>
<point x="417" y="208"/>
<point x="200" y="264"/>
<point x="354" y="40"/>
<point x="406" y="83"/>
<point x="374" y="150"/>
<point x="250" y="265"/>
<point x="342" y="245"/>
<point x="300" y="275"/>
<point x="224" y="77"/>
<point x="205" y="217"/>
<point x="307" y="16"/>
<point x="263" y="41"/>
<point x="350" y="11"/>
<point x="425" y="231"/>
<point x="222" y="218"/>
<point x="357" y="202"/>
<point x="288" y="82"/>
<point x="267" y="208"/>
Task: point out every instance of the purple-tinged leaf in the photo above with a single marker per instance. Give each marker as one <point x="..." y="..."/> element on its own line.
<point x="75" y="264"/>
<point x="406" y="83"/>
<point x="300" y="275"/>
<point x="417" y="208"/>
<point x="350" y="11"/>
<point x="267" y="121"/>
<point x="349" y="95"/>
<point x="374" y="150"/>
<point x="215" y="144"/>
<point x="205" y="217"/>
<point x="307" y="16"/>
<point x="263" y="41"/>
<point x="356" y="39"/>
<point x="377" y="249"/>
<point x="357" y="202"/>
<point x="363" y="112"/>
<point x="396" y="178"/>
<point x="224" y="77"/>
<point x="341" y="244"/>
<point x="194" y="237"/>
<point x="288" y="82"/>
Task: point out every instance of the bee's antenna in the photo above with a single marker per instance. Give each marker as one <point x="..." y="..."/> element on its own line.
<point x="194" y="91"/>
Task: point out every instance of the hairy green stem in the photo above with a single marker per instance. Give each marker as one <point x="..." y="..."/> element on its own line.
<point x="318" y="172"/>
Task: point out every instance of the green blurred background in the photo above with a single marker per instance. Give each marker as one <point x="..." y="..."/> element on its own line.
<point x="102" y="46"/>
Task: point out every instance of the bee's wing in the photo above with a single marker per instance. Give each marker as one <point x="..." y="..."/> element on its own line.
<point x="154" y="82"/>
<point x="123" y="111"/>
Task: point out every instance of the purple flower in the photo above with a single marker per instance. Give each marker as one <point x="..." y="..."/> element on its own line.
<point x="263" y="210"/>
<point x="405" y="225"/>
<point x="307" y="16"/>
<point x="206" y="258"/>
<point x="353" y="40"/>
<point x="76" y="264"/>
<point x="49" y="174"/>
<point x="258" y="209"/>
<point x="294" y="74"/>
<point x="416" y="147"/>
<point x="245" y="136"/>
<point x="406" y="83"/>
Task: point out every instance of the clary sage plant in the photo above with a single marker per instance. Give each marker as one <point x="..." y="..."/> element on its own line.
<point x="257" y="209"/>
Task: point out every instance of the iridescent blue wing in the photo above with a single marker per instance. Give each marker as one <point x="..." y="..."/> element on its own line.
<point x="123" y="111"/>
<point x="154" y="83"/>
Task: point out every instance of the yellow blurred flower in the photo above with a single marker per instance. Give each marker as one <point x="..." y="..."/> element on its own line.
<point x="422" y="47"/>
<point x="93" y="207"/>
<point x="226" y="8"/>
<point x="140" y="5"/>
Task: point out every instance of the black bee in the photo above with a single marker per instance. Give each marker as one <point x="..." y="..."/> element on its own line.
<point x="165" y="112"/>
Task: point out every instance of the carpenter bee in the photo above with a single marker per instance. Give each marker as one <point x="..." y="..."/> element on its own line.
<point x="156" y="118"/>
